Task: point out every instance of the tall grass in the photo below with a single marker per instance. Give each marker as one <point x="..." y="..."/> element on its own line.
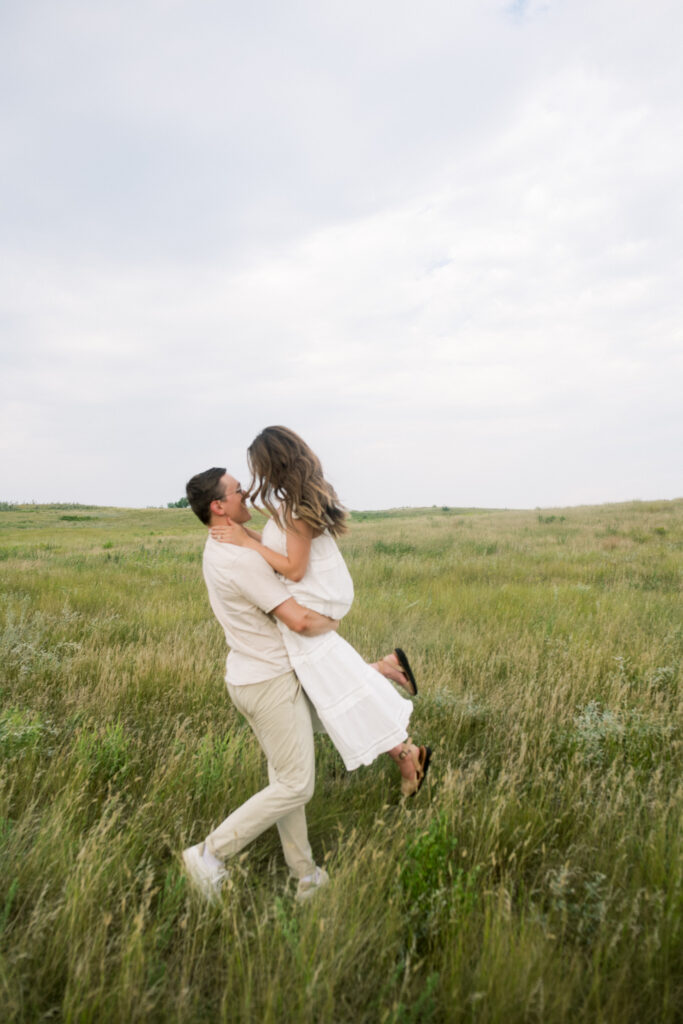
<point x="538" y="877"/>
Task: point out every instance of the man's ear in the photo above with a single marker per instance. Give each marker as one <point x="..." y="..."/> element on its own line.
<point x="215" y="507"/>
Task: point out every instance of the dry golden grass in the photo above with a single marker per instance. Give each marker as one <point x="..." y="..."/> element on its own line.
<point x="538" y="877"/>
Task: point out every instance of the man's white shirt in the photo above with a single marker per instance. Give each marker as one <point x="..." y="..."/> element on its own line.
<point x="243" y="589"/>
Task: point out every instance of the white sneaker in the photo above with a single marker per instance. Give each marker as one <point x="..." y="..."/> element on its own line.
<point x="310" y="884"/>
<point x="203" y="876"/>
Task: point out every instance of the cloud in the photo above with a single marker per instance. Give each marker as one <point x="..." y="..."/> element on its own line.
<point x="443" y="244"/>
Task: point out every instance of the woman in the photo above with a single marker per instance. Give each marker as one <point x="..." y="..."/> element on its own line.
<point x="362" y="713"/>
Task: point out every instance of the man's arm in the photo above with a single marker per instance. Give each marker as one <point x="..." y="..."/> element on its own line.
<point x="303" y="620"/>
<point x="259" y="584"/>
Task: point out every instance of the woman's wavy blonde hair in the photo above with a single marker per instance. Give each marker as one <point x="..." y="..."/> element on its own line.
<point x="287" y="473"/>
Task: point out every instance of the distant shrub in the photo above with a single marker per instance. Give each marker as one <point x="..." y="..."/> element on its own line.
<point x="434" y="885"/>
<point x="64" y="506"/>
<point x="638" y="536"/>
<point x="599" y="732"/>
<point x="578" y="902"/>
<point x="22" y="730"/>
<point x="104" y="753"/>
<point x="486" y="548"/>
<point x="362" y="517"/>
<point x="663" y="679"/>
<point x="429" y="860"/>
<point x="603" y="735"/>
<point x="27" y="646"/>
<point x="395" y="548"/>
<point x="180" y="503"/>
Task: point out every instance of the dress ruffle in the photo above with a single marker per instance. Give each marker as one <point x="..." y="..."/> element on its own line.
<point x="361" y="711"/>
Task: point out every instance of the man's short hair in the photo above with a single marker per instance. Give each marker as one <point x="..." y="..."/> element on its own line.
<point x="204" y="488"/>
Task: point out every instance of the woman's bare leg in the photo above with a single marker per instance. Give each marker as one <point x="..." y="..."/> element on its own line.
<point x="413" y="763"/>
<point x="405" y="755"/>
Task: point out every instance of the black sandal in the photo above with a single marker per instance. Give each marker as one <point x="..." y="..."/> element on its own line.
<point x="405" y="667"/>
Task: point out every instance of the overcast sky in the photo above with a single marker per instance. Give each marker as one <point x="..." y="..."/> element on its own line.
<point x="441" y="240"/>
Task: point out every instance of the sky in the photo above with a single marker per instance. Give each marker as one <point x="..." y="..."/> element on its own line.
<point x="442" y="241"/>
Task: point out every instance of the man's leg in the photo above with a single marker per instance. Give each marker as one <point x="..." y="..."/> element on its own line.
<point x="291" y="828"/>
<point x="277" y="711"/>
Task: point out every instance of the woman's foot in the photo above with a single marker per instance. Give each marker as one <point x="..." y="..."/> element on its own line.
<point x="397" y="668"/>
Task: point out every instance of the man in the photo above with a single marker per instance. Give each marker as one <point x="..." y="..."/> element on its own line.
<point x="245" y="594"/>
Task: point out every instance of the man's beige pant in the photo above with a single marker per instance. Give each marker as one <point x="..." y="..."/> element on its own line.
<point x="278" y="712"/>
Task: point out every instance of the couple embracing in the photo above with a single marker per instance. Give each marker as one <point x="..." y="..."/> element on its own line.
<point x="279" y="597"/>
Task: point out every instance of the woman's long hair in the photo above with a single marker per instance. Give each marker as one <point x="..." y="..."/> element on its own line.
<point x="286" y="472"/>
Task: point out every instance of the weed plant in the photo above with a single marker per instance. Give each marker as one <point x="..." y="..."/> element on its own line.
<point x="537" y="877"/>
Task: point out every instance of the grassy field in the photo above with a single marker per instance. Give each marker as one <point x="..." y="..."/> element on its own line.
<point x="537" y="878"/>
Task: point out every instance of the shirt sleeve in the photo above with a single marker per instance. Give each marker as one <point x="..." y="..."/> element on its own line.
<point x="258" y="582"/>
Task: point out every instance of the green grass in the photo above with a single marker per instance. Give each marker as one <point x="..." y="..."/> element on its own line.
<point x="537" y="878"/>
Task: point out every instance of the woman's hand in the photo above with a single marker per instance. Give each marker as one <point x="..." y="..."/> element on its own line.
<point x="232" y="534"/>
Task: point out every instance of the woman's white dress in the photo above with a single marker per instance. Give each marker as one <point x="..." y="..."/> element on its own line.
<point x="360" y="709"/>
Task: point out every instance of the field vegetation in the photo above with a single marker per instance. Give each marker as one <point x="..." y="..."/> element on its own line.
<point x="538" y="877"/>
